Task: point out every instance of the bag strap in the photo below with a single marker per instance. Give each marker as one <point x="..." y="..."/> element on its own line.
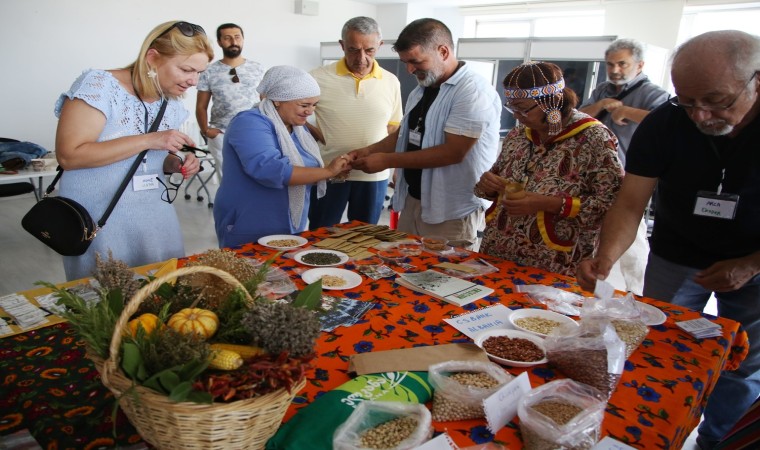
<point x="154" y="126"/>
<point x="603" y="113"/>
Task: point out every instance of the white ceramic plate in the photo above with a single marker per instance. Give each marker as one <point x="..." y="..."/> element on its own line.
<point x="352" y="279"/>
<point x="482" y="337"/>
<point x="343" y="257"/>
<point x="541" y="313"/>
<point x="651" y="315"/>
<point x="278" y="237"/>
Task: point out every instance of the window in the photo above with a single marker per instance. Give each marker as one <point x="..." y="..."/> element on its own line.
<point x="538" y="24"/>
<point x="700" y="19"/>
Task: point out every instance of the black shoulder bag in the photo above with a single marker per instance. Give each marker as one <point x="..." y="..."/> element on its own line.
<point x="603" y="113"/>
<point x="63" y="224"/>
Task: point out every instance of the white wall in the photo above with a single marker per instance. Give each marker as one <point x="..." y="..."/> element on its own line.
<point x="47" y="43"/>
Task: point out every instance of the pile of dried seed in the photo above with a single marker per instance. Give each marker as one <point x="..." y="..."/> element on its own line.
<point x="560" y="413"/>
<point x="388" y="434"/>
<point x="586" y="366"/>
<point x="513" y="349"/>
<point x="283" y="243"/>
<point x="537" y="324"/>
<point x="446" y="409"/>
<point x="632" y="332"/>
<point x="320" y="259"/>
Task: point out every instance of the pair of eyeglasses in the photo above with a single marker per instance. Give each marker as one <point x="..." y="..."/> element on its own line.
<point x="186" y="28"/>
<point x="198" y="152"/>
<point x="691" y="106"/>
<point x="234" y="74"/>
<point x="522" y="112"/>
<point x="172" y="168"/>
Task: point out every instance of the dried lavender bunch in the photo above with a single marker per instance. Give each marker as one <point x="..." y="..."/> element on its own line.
<point x="279" y="327"/>
<point x="115" y="274"/>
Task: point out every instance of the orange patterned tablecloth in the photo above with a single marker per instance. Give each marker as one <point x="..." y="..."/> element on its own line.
<point x="49" y="388"/>
<point x="657" y="404"/>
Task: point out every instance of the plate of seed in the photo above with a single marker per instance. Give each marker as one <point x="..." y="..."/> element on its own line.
<point x="333" y="278"/>
<point x="538" y="321"/>
<point x="282" y="241"/>
<point x="321" y="258"/>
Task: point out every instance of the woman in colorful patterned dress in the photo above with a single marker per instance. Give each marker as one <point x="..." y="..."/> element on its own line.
<point x="557" y="175"/>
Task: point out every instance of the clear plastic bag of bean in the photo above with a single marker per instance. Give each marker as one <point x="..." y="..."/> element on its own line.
<point x="561" y="415"/>
<point x="591" y="353"/>
<point x="623" y="314"/>
<point x="459" y="388"/>
<point x="384" y="425"/>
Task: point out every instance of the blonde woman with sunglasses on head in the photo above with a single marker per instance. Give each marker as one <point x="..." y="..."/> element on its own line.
<point x="103" y="126"/>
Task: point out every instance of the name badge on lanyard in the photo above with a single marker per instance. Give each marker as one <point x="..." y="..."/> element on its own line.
<point x="714" y="204"/>
<point x="415" y="138"/>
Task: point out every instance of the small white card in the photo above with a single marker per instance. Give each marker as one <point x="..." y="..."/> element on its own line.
<point x="603" y="289"/>
<point x="501" y="406"/>
<point x="440" y="442"/>
<point x="144" y="182"/>
<point x="493" y="317"/>
<point x="609" y="443"/>
<point x="716" y="205"/>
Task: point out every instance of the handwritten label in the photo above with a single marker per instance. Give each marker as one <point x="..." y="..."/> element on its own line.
<point x="501" y="406"/>
<point x="609" y="443"/>
<point x="440" y="442"/>
<point x="484" y="319"/>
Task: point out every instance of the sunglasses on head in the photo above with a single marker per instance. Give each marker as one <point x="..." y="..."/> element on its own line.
<point x="234" y="74"/>
<point x="186" y="28"/>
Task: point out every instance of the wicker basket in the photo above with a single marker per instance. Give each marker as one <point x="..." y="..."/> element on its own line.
<point x="243" y="424"/>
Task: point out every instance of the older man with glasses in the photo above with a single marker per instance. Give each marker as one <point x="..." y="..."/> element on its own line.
<point x="700" y="150"/>
<point x="232" y="83"/>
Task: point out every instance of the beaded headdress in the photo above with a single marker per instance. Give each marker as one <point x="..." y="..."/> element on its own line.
<point x="547" y="95"/>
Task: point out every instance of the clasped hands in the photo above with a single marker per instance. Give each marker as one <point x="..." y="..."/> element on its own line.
<point x="617" y="111"/>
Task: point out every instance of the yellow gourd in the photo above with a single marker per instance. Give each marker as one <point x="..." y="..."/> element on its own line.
<point x="195" y="320"/>
<point x="148" y="321"/>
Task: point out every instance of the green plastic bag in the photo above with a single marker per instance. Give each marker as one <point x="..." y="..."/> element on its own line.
<point x="313" y="426"/>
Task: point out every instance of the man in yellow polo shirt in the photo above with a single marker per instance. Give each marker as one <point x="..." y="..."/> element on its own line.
<point x="360" y="103"/>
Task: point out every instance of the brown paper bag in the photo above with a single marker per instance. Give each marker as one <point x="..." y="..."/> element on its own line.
<point x="413" y="359"/>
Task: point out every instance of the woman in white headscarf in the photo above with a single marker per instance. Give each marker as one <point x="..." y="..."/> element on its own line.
<point x="271" y="161"/>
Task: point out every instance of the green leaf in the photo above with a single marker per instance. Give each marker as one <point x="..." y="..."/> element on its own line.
<point x="181" y="391"/>
<point x="115" y="301"/>
<point x="192" y="369"/>
<point x="131" y="360"/>
<point x="168" y="379"/>
<point x="199" y="397"/>
<point x="310" y="297"/>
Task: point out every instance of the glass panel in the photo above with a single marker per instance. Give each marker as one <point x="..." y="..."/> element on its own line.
<point x="502" y="29"/>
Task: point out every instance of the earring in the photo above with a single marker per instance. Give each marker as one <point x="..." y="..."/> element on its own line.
<point x="152" y="73"/>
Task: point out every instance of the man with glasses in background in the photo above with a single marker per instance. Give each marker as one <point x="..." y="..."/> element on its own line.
<point x="701" y="150"/>
<point x="232" y="83"/>
<point x="621" y="103"/>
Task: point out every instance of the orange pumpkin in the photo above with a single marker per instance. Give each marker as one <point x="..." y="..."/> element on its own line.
<point x="195" y="320"/>
<point x="148" y="321"/>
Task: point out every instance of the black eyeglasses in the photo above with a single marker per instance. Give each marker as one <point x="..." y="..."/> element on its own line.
<point x="172" y="168"/>
<point x="198" y="152"/>
<point x="690" y="106"/>
<point x="186" y="28"/>
<point x="523" y="112"/>
<point x="235" y="78"/>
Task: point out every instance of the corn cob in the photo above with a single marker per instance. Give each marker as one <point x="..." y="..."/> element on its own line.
<point x="225" y="360"/>
<point x="245" y="351"/>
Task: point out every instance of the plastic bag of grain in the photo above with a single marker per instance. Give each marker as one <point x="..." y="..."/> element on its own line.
<point x="590" y="353"/>
<point x="623" y="314"/>
<point x="461" y="386"/>
<point x="561" y="414"/>
<point x="384" y="425"/>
